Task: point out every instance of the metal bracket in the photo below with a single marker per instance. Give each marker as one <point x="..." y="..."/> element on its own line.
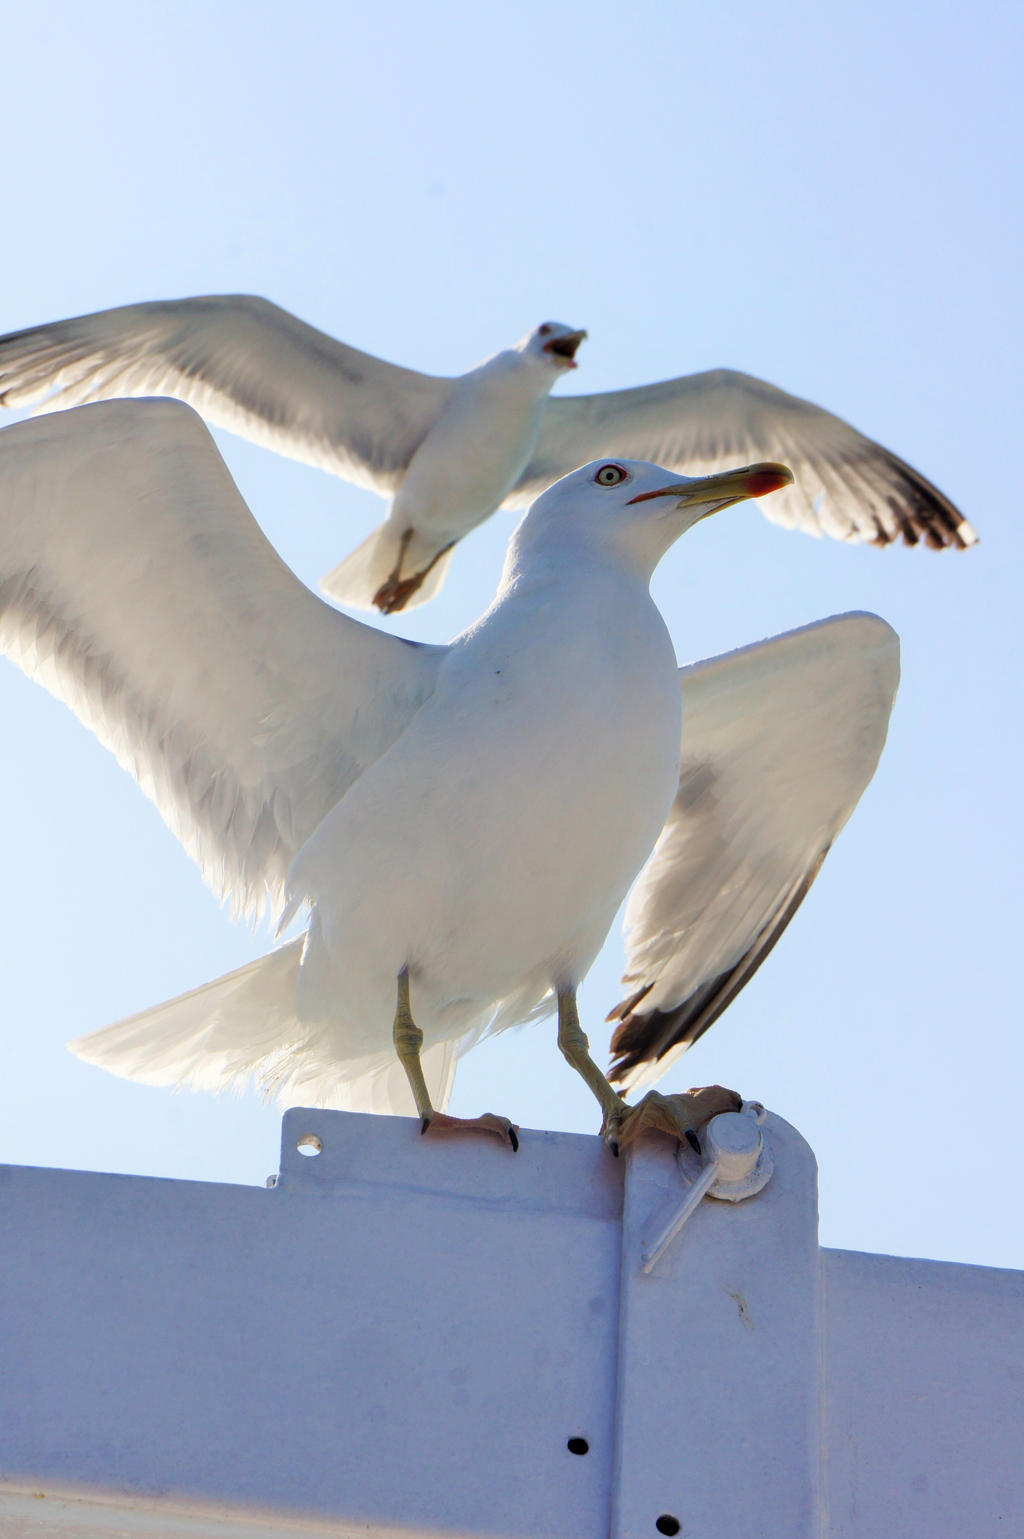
<point x="736" y="1163"/>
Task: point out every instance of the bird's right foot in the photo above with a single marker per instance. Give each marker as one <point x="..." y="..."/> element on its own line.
<point x="680" y="1116"/>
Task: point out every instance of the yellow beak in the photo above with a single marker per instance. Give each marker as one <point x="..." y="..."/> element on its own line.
<point x="725" y="488"/>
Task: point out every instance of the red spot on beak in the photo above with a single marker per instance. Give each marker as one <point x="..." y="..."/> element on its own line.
<point x="764" y="481"/>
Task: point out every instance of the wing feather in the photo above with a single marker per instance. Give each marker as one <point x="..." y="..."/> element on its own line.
<point x="846" y="485"/>
<point x="136" y="586"/>
<point x="779" y="741"/>
<point x="247" y="366"/>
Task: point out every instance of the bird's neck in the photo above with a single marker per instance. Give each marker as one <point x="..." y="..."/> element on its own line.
<point x="543" y="557"/>
<point x="511" y="373"/>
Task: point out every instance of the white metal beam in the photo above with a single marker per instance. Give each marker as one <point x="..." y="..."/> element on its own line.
<point x="422" y="1337"/>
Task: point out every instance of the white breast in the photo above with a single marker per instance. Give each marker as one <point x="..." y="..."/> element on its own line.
<point x="494" y="842"/>
<point x="477" y="450"/>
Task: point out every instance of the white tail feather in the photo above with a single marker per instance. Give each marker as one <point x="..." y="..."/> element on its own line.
<point x="243" y="1026"/>
<point x="211" y="1038"/>
<point x="355" y="580"/>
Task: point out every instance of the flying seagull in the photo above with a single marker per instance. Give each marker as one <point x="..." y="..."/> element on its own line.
<point x="460" y="853"/>
<point x="449" y="452"/>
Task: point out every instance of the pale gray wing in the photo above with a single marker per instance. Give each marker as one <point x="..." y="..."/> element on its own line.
<point x="136" y="586"/>
<point x="845" y="485"/>
<point x="245" y="365"/>
<point x="779" y="741"/>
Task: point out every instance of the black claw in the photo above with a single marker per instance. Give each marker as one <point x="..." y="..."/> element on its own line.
<point x="614" y="1147"/>
<point x="693" y="1140"/>
<point x="424" y="1124"/>
<point x="513" y="1138"/>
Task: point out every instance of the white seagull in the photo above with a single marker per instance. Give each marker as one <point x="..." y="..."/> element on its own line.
<point x="461" y="822"/>
<point x="449" y="452"/>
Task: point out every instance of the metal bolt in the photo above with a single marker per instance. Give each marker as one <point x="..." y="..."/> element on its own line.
<point x="734" y="1140"/>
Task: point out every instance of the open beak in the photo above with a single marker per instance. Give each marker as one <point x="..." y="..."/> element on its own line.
<point x="725" y="488"/>
<point x="564" y="347"/>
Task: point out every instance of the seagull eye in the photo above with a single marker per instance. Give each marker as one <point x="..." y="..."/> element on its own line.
<point x="545" y="330"/>
<point x="610" y="475"/>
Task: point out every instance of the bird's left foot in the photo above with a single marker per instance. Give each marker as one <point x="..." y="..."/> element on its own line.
<point x="680" y="1116"/>
<point x="498" y="1127"/>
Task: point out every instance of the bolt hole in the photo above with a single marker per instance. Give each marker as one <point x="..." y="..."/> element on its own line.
<point x="578" y="1445"/>
<point x="309" y="1145"/>
<point x="667" y="1524"/>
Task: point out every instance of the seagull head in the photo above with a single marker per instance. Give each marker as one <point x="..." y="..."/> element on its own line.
<point x="635" y="511"/>
<point x="553" y="344"/>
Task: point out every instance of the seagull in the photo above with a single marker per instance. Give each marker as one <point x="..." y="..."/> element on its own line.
<point x="449" y="452"/>
<point x="457" y="824"/>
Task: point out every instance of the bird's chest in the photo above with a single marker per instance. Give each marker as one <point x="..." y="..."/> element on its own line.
<point x="581" y="735"/>
<point x="473" y="456"/>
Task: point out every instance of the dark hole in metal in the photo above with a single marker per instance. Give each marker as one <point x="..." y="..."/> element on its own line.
<point x="578" y="1445"/>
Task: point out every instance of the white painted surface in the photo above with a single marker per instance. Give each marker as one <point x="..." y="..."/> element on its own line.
<point x="401" y="1336"/>
<point x="67" y="1514"/>
<point x="717" y="1357"/>
<point x="924" y="1398"/>
<point x="403" y="1332"/>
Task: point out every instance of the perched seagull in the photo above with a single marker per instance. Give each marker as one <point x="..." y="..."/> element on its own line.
<point x="449" y="452"/>
<point x="461" y="822"/>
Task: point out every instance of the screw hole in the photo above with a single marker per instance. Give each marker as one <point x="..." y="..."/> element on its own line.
<point x="309" y="1145"/>
<point x="667" y="1524"/>
<point x="578" y="1445"/>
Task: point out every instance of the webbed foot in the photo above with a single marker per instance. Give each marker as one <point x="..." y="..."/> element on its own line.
<point x="395" y="592"/>
<point x="680" y="1116"/>
<point x="498" y="1127"/>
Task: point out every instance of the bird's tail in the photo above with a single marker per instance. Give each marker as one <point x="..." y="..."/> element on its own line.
<point x="213" y="1037"/>
<point x="358" y="579"/>
<point x="245" y="1026"/>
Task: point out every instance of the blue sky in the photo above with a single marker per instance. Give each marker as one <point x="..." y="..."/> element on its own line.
<point x="828" y="197"/>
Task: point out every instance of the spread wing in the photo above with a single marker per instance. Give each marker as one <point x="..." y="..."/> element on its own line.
<point x="779" y="740"/>
<point x="845" y="485"/>
<point x="136" y="586"/>
<point x="247" y="366"/>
